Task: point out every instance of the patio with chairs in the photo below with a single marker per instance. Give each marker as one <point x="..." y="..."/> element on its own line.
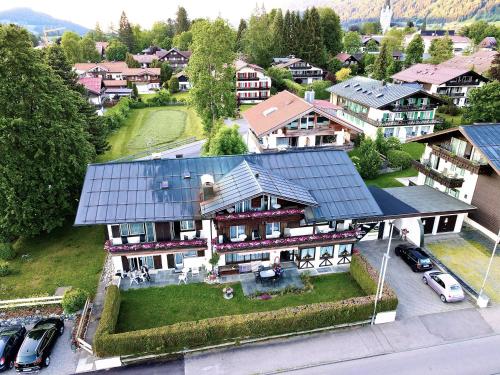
<point x="268" y="279"/>
<point x="138" y="279"/>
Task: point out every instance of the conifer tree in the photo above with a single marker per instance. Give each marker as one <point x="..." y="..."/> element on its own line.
<point x="382" y="63"/>
<point x="278" y="37"/>
<point x="181" y="21"/>
<point x="125" y="33"/>
<point x="242" y="27"/>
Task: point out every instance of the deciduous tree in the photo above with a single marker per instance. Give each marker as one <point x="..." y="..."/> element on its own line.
<point x="226" y="141"/>
<point x="483" y="104"/>
<point x="369" y="161"/>
<point x="165" y="72"/>
<point x="70" y="42"/>
<point x="441" y="49"/>
<point x="352" y="42"/>
<point x="173" y="85"/>
<point x="258" y="40"/>
<point x="116" y="51"/>
<point x="89" y="50"/>
<point x="343" y="74"/>
<point x="414" y="51"/>
<point x="131" y="62"/>
<point x="183" y="40"/>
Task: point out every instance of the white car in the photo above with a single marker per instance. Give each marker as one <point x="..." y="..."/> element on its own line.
<point x="445" y="285"/>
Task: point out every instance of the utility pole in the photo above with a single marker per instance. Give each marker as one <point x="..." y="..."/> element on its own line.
<point x="489" y="266"/>
<point x="381" y="275"/>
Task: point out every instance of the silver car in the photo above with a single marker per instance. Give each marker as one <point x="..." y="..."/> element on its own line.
<point x="445" y="285"/>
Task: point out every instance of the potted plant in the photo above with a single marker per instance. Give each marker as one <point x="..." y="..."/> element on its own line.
<point x="214" y="260"/>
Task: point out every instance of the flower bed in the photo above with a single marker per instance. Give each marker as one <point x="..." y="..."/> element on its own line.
<point x="198" y="242"/>
<point x="287" y="241"/>
<point x="260" y="214"/>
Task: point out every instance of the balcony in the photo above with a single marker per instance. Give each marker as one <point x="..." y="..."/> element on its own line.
<point x="472" y="166"/>
<point x="247" y="78"/>
<point x="311" y="240"/>
<point x="411" y="107"/>
<point x="263" y="87"/>
<point x="401" y="122"/>
<point x="150" y="246"/>
<point x="451" y="182"/>
<point x="256" y="215"/>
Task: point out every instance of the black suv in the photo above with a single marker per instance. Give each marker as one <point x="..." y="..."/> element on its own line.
<point x="415" y="257"/>
<point x="10" y="341"/>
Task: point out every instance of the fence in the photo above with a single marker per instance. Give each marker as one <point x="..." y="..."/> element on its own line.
<point x="82" y="328"/>
<point x="35" y="301"/>
<point x="159" y="148"/>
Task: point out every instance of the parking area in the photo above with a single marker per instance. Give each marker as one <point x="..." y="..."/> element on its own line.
<point x="63" y="360"/>
<point x="415" y="298"/>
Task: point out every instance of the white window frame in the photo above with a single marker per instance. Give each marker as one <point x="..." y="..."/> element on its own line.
<point x="275" y="227"/>
<point x="187" y="225"/>
<point x="240" y="229"/>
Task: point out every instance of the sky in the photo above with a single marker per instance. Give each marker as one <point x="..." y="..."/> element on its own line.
<point x="88" y="12"/>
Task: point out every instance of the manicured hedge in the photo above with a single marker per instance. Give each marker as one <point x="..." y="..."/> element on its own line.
<point x="217" y="330"/>
<point x="399" y="159"/>
<point x="294" y="87"/>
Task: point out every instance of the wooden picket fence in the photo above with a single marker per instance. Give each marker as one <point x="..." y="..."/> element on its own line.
<point x="82" y="328"/>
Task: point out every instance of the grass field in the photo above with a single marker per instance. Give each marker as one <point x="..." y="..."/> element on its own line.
<point x="454" y="120"/>
<point x="155" y="307"/>
<point x="149" y="127"/>
<point x="68" y="256"/>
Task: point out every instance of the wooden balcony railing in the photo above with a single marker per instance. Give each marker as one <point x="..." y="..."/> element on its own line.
<point x="459" y="161"/>
<point x="450" y="182"/>
<point x="164" y="245"/>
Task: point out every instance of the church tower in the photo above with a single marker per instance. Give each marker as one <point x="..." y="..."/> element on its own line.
<point x="386" y="16"/>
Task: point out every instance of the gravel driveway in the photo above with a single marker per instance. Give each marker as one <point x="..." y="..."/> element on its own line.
<point x="415" y="298"/>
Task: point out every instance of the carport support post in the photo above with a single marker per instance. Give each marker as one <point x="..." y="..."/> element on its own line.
<point x="489" y="264"/>
<point x="381" y="275"/>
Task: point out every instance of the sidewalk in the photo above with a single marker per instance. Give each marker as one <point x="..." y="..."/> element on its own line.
<point x="399" y="336"/>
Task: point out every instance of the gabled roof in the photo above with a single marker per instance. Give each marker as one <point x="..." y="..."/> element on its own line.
<point x="115" y="83"/>
<point x="287" y="62"/>
<point x="429" y="73"/>
<point x="479" y="61"/>
<point x="120" y="192"/>
<point x="488" y="42"/>
<point x="247" y="181"/>
<point x="110" y="66"/>
<point x="91" y="84"/>
<point x="373" y="93"/>
<point x="142" y="71"/>
<point x="279" y="110"/>
<point x="343" y="57"/>
<point x="240" y="64"/>
<point x="186" y="54"/>
<point x="145" y="59"/>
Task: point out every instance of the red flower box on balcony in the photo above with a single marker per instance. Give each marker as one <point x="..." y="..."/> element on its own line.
<point x="165" y="245"/>
<point x="260" y="214"/>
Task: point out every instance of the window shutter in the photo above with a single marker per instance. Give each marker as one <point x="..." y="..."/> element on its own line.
<point x="125" y="264"/>
<point x="201" y="253"/>
<point x="157" y="262"/>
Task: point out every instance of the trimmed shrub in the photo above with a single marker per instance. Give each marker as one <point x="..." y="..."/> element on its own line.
<point x="109" y="315"/>
<point x="7" y="251"/>
<point x="4" y="268"/>
<point x="394" y="143"/>
<point x="294" y="87"/>
<point x="74" y="300"/>
<point x="399" y="159"/>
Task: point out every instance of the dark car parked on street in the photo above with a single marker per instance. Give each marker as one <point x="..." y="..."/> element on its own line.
<point x="10" y="341"/>
<point x="415" y="257"/>
<point x="37" y="345"/>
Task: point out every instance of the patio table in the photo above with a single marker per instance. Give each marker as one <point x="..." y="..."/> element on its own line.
<point x="266" y="274"/>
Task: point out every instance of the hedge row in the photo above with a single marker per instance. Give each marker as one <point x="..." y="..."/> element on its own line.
<point x="294" y="87"/>
<point x="217" y="330"/>
<point x="116" y="115"/>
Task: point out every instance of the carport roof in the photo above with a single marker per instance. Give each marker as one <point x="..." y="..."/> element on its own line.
<point x="414" y="201"/>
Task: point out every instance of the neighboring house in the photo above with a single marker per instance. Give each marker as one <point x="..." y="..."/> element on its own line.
<point x="184" y="84"/>
<point x="464" y="162"/>
<point x="460" y="43"/>
<point x="101" y="48"/>
<point x="288" y="121"/>
<point x="252" y="84"/>
<point x="106" y="70"/>
<point x="347" y="59"/>
<point x="365" y="39"/>
<point x="93" y="87"/>
<point x="176" y="58"/>
<point x="489" y="43"/>
<point x="302" y="71"/>
<point x="115" y="83"/>
<point x="479" y="61"/>
<point x="402" y="111"/>
<point x="115" y="93"/>
<point x="442" y="80"/>
<point x="146" y="79"/>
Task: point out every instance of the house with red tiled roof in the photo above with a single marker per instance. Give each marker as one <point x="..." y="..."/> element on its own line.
<point x="460" y="43"/>
<point x="288" y="121"/>
<point x="488" y="43"/>
<point x="252" y="83"/>
<point x="177" y="59"/>
<point x="93" y="88"/>
<point x="442" y="80"/>
<point x="348" y="59"/>
<point x="479" y="61"/>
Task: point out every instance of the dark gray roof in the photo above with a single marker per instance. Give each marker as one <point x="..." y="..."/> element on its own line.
<point x="416" y="201"/>
<point x="248" y="181"/>
<point x="486" y="137"/>
<point x="131" y="191"/>
<point x="373" y="93"/>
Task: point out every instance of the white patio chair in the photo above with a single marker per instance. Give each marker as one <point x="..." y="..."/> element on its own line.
<point x="195" y="271"/>
<point x="182" y="278"/>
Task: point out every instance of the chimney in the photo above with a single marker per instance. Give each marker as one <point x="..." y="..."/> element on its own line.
<point x="309" y="96"/>
<point x="207" y="187"/>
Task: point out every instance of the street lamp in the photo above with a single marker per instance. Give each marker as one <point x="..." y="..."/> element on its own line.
<point x="482" y="302"/>
<point x="381" y="275"/>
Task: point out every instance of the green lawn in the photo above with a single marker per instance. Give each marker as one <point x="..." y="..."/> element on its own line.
<point x="244" y="107"/>
<point x="68" y="256"/>
<point x="454" y="120"/>
<point x="149" y="127"/>
<point x="155" y="307"/>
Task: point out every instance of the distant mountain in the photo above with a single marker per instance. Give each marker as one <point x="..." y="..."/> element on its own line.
<point x="36" y="22"/>
<point x="351" y="11"/>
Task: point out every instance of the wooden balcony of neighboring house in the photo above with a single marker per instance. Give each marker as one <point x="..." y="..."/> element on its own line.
<point x="449" y="180"/>
<point x="252" y="217"/>
<point x="143" y="247"/>
<point x="285" y="241"/>
<point x="443" y="151"/>
<point x="385" y="123"/>
<point x="412" y="107"/>
<point x="243" y="78"/>
<point x="263" y="87"/>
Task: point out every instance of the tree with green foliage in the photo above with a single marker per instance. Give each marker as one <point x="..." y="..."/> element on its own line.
<point x="370" y="28"/>
<point x="183" y="40"/>
<point x="89" y="51"/>
<point x="343" y="74"/>
<point x="296" y="34"/>
<point x="352" y="42"/>
<point x="278" y="75"/>
<point x="277" y="34"/>
<point x="381" y="143"/>
<point x="165" y="72"/>
<point x="43" y="141"/>
<point x="55" y="57"/>
<point x="240" y="35"/>
<point x="173" y="85"/>
<point x="334" y="64"/>
<point x="319" y="88"/>
<point x="332" y="30"/>
<point x="116" y="51"/>
<point x="479" y="30"/>
<point x="70" y="43"/>
<point x="494" y="72"/>
<point x="97" y="35"/>
<point x="211" y="71"/>
<point x="313" y="50"/>
<point x="182" y="23"/>
<point x="369" y="161"/>
<point x="135" y="92"/>
<point x="131" y="62"/>
<point x="395" y="66"/>
<point x="371" y="46"/>
<point x="258" y="40"/>
<point x="125" y="33"/>
<point x="441" y="49"/>
<point x="226" y="140"/>
<point x="381" y="64"/>
<point x="288" y="43"/>
<point x="160" y="35"/>
<point x="368" y="61"/>
<point x="393" y="39"/>
<point x="483" y="104"/>
<point x="414" y="51"/>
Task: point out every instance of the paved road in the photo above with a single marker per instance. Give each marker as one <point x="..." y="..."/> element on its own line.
<point x="415" y="298"/>
<point x="158" y="368"/>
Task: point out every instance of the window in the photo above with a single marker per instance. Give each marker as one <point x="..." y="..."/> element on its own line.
<point x="429" y="181"/>
<point x="150" y="232"/>
<point x="236" y="230"/>
<point x="187" y="225"/>
<point x="242" y="206"/>
<point x="307" y="253"/>
<point x="272" y="227"/>
<point x="453" y="192"/>
<point x="124" y="229"/>
<point x="345" y="249"/>
<point x="243" y="258"/>
<point x="282" y="141"/>
<point x="135" y="263"/>
<point x="136" y="229"/>
<point x="388" y="132"/>
<point x="188" y="254"/>
<point x="326" y="252"/>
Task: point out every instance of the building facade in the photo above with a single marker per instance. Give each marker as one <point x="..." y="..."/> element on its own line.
<point x="460" y="43"/>
<point x="401" y="111"/>
<point x="252" y="84"/>
<point x="302" y="71"/>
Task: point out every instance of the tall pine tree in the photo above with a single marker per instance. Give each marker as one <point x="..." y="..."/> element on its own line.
<point x="313" y="50"/>
<point x="382" y="62"/>
<point x="277" y="32"/>
<point x="242" y="27"/>
<point x="125" y="33"/>
<point x="181" y="21"/>
<point x="414" y="51"/>
<point x="288" y="43"/>
<point x="332" y="31"/>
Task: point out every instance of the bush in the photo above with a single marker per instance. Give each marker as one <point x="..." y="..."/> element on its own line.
<point x="160" y="99"/>
<point x="294" y="87"/>
<point x="319" y="88"/>
<point x="7" y="252"/>
<point x="4" y="268"/>
<point x="399" y="159"/>
<point x="74" y="300"/>
<point x="115" y="116"/>
<point x="393" y="143"/>
<point x="369" y="159"/>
